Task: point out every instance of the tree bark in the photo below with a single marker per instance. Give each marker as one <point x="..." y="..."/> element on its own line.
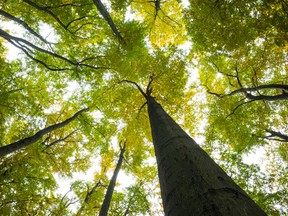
<point x="261" y="87"/>
<point x="191" y="182"/>
<point x="283" y="96"/>
<point x="108" y="196"/>
<point x="281" y="137"/>
<point x="103" y="11"/>
<point x="4" y="150"/>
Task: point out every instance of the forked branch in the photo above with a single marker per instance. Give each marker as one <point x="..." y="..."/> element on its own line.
<point x="46" y="10"/>
<point x="29" y="49"/>
<point x="136" y="85"/>
<point x="277" y="136"/>
<point x="149" y="89"/>
<point x="61" y="139"/>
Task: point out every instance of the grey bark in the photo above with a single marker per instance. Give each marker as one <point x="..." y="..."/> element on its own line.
<point x="108" y="196"/>
<point x="4" y="150"/>
<point x="191" y="183"/>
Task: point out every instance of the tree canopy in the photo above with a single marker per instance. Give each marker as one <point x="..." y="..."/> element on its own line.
<point x="219" y="68"/>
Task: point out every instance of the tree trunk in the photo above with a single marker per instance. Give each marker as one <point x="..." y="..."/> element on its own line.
<point x="4" y="150"/>
<point x="191" y="182"/>
<point x="103" y="11"/>
<point x="108" y="196"/>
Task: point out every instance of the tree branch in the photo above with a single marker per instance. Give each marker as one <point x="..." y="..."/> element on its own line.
<point x="18" y="40"/>
<point x="261" y="87"/>
<point x="65" y="5"/>
<point x="108" y="196"/>
<point x="283" y="96"/>
<point x="35" y="59"/>
<point x="24" y="24"/>
<point x="138" y="114"/>
<point x="4" y="150"/>
<point x="87" y="198"/>
<point x="238" y="106"/>
<point x="135" y="84"/>
<point x="46" y="10"/>
<point x="283" y="137"/>
<point x="61" y="140"/>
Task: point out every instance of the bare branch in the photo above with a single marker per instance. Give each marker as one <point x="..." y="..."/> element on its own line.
<point x="149" y="88"/>
<point x="89" y="193"/>
<point x="221" y="72"/>
<point x="234" y="110"/>
<point x="24" y="24"/>
<point x="61" y="140"/>
<point x="283" y="96"/>
<point x="67" y="4"/>
<point x="135" y="84"/>
<point x="237" y="76"/>
<point x="216" y="94"/>
<point x="36" y="60"/>
<point x="138" y="114"/>
<point x="46" y="10"/>
<point x="18" y="40"/>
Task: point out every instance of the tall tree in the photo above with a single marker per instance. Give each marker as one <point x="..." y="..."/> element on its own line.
<point x="108" y="196"/>
<point x="191" y="182"/>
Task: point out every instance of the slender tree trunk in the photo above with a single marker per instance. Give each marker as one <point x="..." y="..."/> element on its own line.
<point x="103" y="11"/>
<point x="88" y="196"/>
<point x="191" y="182"/>
<point x="108" y="196"/>
<point x="4" y="150"/>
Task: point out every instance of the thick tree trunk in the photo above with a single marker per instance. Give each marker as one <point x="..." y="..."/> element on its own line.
<point x="191" y="182"/>
<point x="108" y="196"/>
<point x="4" y="150"/>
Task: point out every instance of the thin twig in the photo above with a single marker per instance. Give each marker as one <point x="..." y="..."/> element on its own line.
<point x="234" y="110"/>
